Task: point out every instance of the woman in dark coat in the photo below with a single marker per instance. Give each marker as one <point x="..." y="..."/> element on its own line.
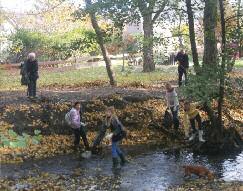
<point x="32" y="72"/>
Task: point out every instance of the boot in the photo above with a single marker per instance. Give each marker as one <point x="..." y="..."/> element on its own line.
<point x="123" y="159"/>
<point x="192" y="137"/>
<point x="200" y="135"/>
<point x="115" y="163"/>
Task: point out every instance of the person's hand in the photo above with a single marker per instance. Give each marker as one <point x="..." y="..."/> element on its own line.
<point x="109" y="136"/>
<point x="174" y="108"/>
<point x="82" y="124"/>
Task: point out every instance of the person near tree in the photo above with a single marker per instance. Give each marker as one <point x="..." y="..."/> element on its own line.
<point x="183" y="65"/>
<point x="192" y="114"/>
<point x="78" y="126"/>
<point x="31" y="65"/>
<point x="172" y="104"/>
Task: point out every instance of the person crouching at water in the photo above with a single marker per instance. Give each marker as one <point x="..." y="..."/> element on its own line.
<point x="192" y="113"/>
<point x="117" y="134"/>
<point x="78" y="126"/>
<point x="172" y="104"/>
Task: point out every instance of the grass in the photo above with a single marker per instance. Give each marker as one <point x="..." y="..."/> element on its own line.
<point x="10" y="79"/>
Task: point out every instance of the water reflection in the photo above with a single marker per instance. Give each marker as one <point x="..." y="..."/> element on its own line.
<point x="233" y="168"/>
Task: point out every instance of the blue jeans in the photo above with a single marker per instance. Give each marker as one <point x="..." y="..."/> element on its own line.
<point x="115" y="150"/>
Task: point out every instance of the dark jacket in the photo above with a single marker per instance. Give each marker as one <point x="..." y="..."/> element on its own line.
<point x="182" y="59"/>
<point x="32" y="69"/>
<point x="117" y="129"/>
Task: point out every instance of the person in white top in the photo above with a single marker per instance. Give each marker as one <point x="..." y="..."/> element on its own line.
<point x="172" y="104"/>
<point x="78" y="126"/>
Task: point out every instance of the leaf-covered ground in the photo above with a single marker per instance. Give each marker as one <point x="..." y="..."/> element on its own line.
<point x="204" y="185"/>
<point x="139" y="104"/>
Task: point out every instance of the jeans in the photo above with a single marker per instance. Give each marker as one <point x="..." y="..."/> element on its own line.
<point x="181" y="71"/>
<point x="80" y="132"/>
<point x="31" y="88"/>
<point x="175" y="117"/>
<point x="115" y="150"/>
<point x="199" y="121"/>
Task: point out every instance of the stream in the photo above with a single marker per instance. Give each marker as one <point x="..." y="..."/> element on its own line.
<point x="150" y="168"/>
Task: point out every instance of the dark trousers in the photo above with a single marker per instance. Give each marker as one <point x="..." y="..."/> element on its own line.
<point x="100" y="136"/>
<point x="175" y="117"/>
<point x="181" y="71"/>
<point x="80" y="132"/>
<point x="199" y="122"/>
<point x="31" y="88"/>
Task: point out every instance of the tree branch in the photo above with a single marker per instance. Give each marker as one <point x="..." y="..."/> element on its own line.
<point x="157" y="13"/>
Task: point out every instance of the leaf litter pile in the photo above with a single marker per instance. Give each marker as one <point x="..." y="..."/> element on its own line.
<point x="38" y="130"/>
<point x="47" y="117"/>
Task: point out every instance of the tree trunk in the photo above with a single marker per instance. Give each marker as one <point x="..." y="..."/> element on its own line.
<point x="222" y="73"/>
<point x="192" y="35"/>
<point x="210" y="43"/>
<point x="239" y="27"/>
<point x="101" y="42"/>
<point x="148" y="60"/>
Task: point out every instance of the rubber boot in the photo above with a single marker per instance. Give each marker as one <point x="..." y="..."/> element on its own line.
<point x="123" y="159"/>
<point x="115" y="163"/>
<point x="200" y="135"/>
<point x="192" y="137"/>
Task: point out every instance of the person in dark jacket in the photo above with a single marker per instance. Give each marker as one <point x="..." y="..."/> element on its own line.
<point x="183" y="65"/>
<point x="117" y="134"/>
<point x="32" y="72"/>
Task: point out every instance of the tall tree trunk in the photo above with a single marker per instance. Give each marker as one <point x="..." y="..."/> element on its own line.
<point x="239" y="27"/>
<point x="210" y="43"/>
<point x="222" y="73"/>
<point x="192" y="35"/>
<point x="100" y="42"/>
<point x="148" y="60"/>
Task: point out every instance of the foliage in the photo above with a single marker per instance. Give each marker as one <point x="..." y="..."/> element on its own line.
<point x="54" y="46"/>
<point x="13" y="140"/>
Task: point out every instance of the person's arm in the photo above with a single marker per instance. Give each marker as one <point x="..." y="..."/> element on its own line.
<point x="167" y="100"/>
<point x="36" y="67"/>
<point x="118" y="126"/>
<point x="187" y="61"/>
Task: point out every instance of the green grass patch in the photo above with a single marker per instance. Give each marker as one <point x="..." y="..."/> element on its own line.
<point x="10" y="79"/>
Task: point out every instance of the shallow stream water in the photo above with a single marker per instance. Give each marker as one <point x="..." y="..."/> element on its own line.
<point x="149" y="168"/>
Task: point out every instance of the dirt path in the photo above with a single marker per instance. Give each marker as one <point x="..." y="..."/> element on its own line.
<point x="19" y="97"/>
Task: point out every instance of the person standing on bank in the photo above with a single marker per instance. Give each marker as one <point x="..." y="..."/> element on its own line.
<point x="183" y="65"/>
<point x="172" y="104"/>
<point x="32" y="73"/>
